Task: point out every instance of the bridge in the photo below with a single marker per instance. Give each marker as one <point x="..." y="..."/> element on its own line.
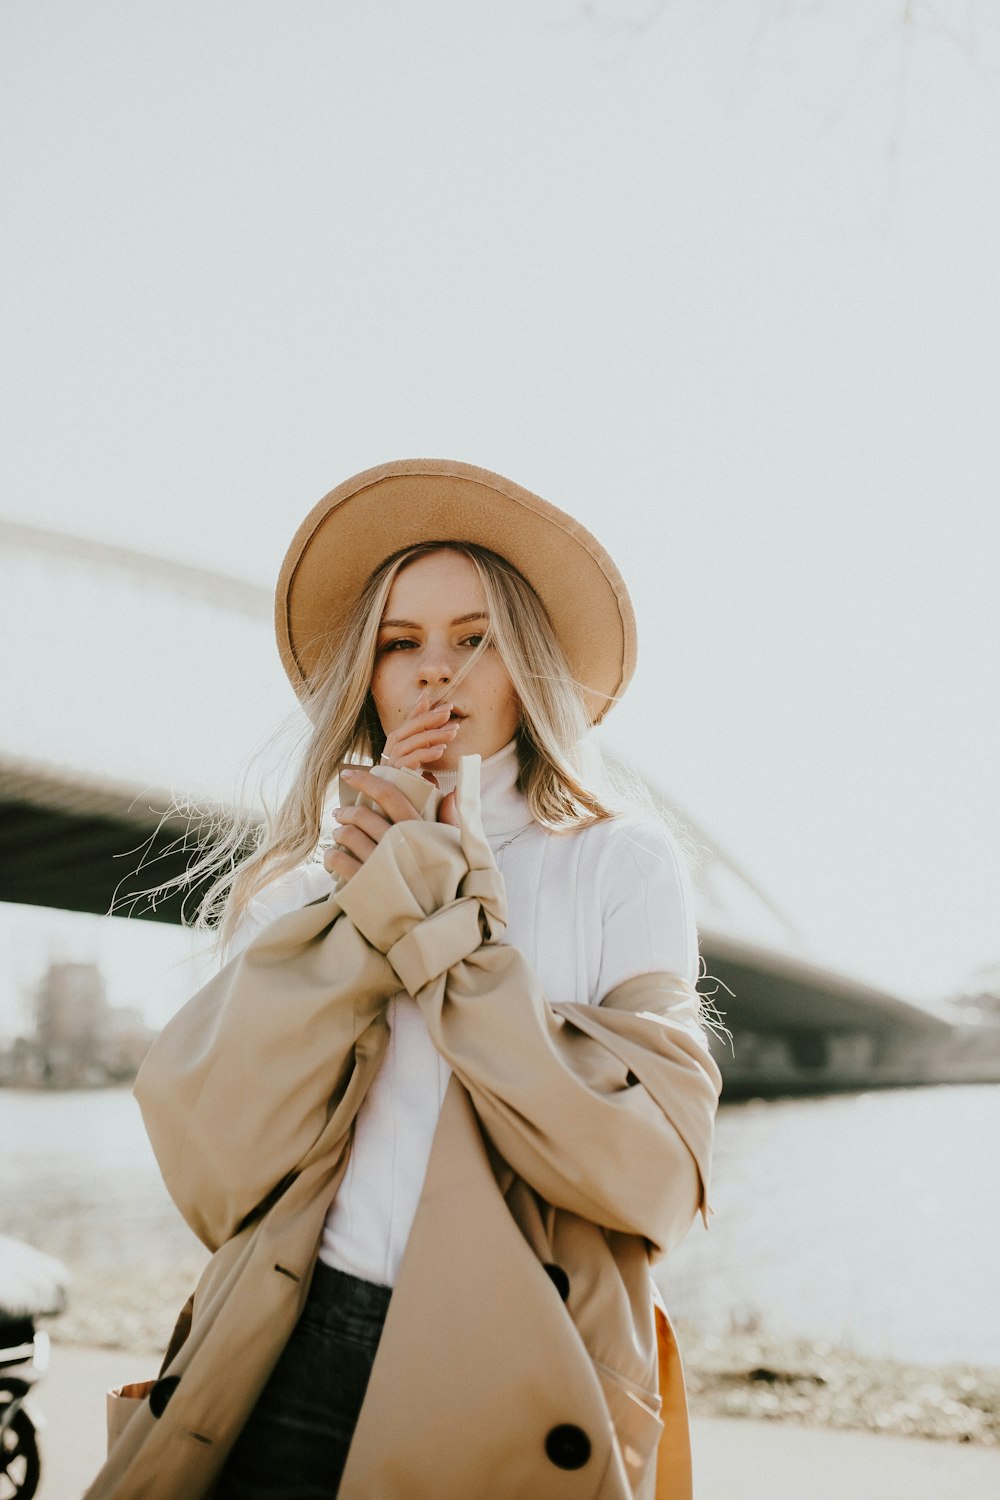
<point x="138" y="683"/>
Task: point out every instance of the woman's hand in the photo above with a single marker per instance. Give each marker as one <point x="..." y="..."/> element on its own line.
<point x="362" y="829"/>
<point x="422" y="738"/>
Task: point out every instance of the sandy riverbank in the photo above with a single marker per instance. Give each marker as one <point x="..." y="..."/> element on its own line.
<point x="752" y="1375"/>
<point x="738" y="1374"/>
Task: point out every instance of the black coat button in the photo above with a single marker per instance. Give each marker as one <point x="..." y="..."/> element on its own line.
<point x="559" y="1279"/>
<point x="568" y="1447"/>
<point x="161" y="1394"/>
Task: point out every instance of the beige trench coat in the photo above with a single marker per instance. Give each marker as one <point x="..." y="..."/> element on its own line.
<point x="521" y="1356"/>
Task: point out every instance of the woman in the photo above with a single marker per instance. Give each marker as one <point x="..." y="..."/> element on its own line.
<point x="437" y="1113"/>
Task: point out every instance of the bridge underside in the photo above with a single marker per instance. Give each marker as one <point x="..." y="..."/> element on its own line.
<point x="95" y="847"/>
<point x="87" y="846"/>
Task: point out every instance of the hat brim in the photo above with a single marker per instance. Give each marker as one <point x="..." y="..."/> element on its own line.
<point x="403" y="504"/>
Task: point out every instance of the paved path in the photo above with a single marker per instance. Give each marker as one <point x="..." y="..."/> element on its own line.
<point x="737" y="1460"/>
<point x="734" y="1460"/>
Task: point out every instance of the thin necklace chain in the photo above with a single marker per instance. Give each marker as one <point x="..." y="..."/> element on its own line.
<point x="507" y="842"/>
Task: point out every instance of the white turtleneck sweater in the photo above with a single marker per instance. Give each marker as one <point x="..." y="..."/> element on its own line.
<point x="588" y="910"/>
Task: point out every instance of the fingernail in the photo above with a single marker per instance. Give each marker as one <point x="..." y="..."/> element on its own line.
<point x="349" y="775"/>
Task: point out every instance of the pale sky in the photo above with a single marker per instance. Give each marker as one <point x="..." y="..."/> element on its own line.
<point x="723" y="281"/>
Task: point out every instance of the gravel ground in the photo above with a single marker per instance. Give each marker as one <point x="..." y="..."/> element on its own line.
<point x="750" y="1375"/>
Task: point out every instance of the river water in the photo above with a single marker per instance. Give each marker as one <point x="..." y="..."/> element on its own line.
<point x="869" y="1220"/>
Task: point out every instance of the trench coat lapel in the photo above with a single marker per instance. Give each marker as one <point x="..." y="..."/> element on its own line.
<point x="515" y="1370"/>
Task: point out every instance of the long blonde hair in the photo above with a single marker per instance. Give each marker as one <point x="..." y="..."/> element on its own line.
<point x="550" y="740"/>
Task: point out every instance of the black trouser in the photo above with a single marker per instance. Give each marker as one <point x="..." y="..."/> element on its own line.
<point x="294" y="1445"/>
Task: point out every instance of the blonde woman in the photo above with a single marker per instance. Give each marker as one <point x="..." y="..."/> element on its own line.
<point x="450" y="1095"/>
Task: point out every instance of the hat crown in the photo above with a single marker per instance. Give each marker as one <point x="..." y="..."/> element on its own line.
<point x="384" y="510"/>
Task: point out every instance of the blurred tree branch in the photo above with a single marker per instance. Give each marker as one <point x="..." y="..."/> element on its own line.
<point x="889" y="35"/>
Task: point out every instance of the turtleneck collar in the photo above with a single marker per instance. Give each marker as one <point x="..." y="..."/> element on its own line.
<point x="505" y="808"/>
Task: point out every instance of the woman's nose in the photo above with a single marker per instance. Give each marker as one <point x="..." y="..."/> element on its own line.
<point x="435" y="669"/>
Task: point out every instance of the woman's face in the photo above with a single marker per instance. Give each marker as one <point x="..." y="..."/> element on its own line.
<point x="434" y="619"/>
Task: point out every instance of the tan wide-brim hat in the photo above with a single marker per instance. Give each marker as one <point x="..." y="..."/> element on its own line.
<point x="397" y="505"/>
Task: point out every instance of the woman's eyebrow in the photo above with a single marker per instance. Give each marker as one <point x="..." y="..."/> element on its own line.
<point x="477" y="614"/>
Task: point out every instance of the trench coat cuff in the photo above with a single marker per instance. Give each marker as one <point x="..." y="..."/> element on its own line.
<point x="412" y="869"/>
<point x="434" y="946"/>
<point x="387" y="894"/>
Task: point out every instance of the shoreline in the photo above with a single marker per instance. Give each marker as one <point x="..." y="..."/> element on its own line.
<point x="731" y="1374"/>
<point x="812" y="1382"/>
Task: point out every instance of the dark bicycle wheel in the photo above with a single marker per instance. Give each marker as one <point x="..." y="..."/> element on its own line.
<point x="20" y="1465"/>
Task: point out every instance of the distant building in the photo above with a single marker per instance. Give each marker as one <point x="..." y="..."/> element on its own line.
<point x="79" y="1041"/>
<point x="70" y="1012"/>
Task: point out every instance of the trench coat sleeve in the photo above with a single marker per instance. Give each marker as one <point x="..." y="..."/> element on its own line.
<point x="270" y="1058"/>
<point x="269" y="1062"/>
<point x="244" y="1080"/>
<point x="606" y="1111"/>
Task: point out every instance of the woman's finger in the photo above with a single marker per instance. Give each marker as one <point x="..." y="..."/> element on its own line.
<point x="448" y="811"/>
<point x="420" y="740"/>
<point x="370" y="822"/>
<point x="414" y="760"/>
<point x="416" y="742"/>
<point x="356" y="842"/>
<point x="395" y="804"/>
<point x="338" y="862"/>
<point x="422" y="717"/>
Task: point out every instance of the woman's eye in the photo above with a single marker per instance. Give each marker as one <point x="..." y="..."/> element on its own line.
<point x="473" y="641"/>
<point x="399" y="644"/>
